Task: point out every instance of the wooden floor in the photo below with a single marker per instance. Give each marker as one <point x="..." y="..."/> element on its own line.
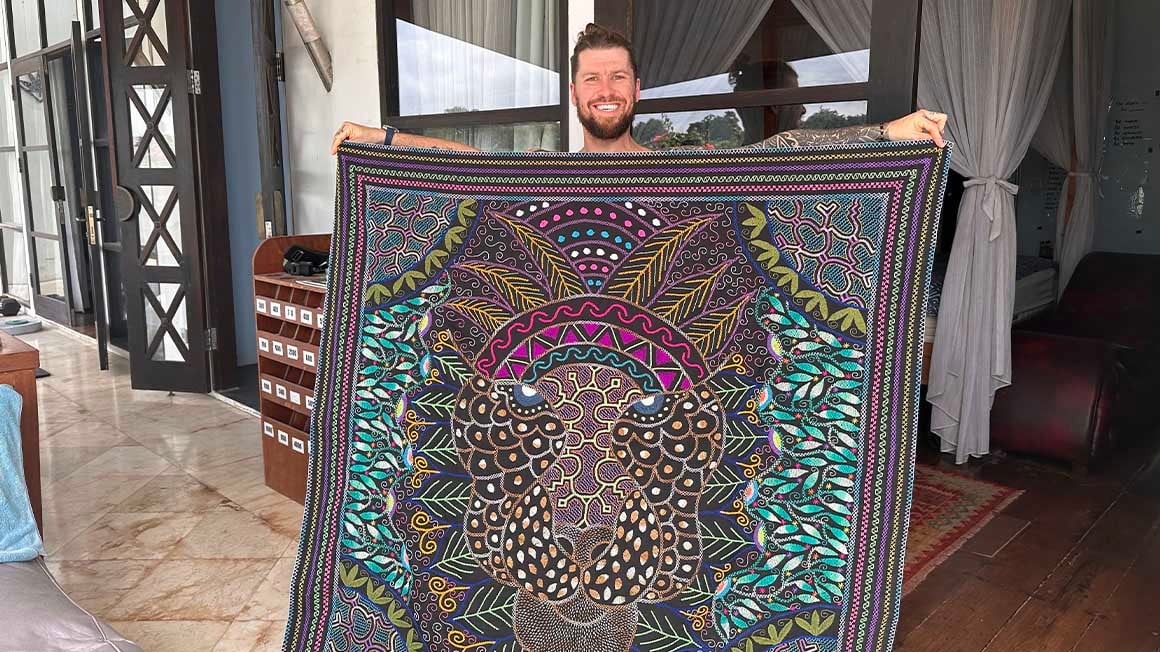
<point x="1073" y="564"/>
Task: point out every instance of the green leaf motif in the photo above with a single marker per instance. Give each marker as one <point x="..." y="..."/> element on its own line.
<point x="438" y="445"/>
<point x="722" y="487"/>
<point x="456" y="560"/>
<point x="445" y="498"/>
<point x="658" y="631"/>
<point x="489" y="610"/>
<point x="435" y="402"/>
<point x="721" y="539"/>
<point x="732" y="390"/>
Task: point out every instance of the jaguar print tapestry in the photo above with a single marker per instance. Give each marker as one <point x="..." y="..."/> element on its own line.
<point x="608" y="402"/>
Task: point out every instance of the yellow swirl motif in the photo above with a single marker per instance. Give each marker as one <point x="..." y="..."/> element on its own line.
<point x="459" y="640"/>
<point x="739" y="512"/>
<point x="419" y="473"/>
<point x="749" y="469"/>
<point x="699" y="617"/>
<point x="446" y="592"/>
<point x="426" y="528"/>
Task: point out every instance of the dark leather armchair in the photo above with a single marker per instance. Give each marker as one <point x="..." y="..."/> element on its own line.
<point x="1084" y="364"/>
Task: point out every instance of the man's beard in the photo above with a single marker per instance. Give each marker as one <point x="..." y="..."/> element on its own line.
<point x="605" y="130"/>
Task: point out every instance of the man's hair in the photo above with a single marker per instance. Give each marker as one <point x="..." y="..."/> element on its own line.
<point x="595" y="37"/>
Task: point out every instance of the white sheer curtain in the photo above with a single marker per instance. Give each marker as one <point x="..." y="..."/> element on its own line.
<point x="1092" y="25"/>
<point x="990" y="65"/>
<point x="477" y="55"/>
<point x="1055" y="137"/>
<point x="843" y="24"/>
<point x="680" y="40"/>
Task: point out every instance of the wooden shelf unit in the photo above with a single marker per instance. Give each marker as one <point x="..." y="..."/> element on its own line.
<point x="289" y="320"/>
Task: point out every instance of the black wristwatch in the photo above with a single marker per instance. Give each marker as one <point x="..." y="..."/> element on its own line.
<point x="391" y="131"/>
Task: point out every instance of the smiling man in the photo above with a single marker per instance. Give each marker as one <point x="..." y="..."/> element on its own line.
<point x="605" y="89"/>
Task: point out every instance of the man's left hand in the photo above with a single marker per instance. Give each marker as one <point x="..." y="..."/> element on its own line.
<point x="919" y="125"/>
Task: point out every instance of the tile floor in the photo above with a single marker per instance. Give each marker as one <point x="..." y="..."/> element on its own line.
<point x="156" y="514"/>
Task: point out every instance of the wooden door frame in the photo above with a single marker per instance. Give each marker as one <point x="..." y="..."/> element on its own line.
<point x="205" y="225"/>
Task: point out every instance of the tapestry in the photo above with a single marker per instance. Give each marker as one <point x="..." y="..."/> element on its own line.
<point x="607" y="402"/>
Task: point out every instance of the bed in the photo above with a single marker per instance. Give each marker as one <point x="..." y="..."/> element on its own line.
<point x="1035" y="291"/>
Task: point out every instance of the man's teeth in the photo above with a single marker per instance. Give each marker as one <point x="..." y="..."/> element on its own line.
<point x="606" y="107"/>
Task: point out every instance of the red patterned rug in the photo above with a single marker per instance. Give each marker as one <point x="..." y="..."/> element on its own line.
<point x="948" y="510"/>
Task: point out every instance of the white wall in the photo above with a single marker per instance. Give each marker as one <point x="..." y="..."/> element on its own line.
<point x="1124" y="223"/>
<point x="313" y="115"/>
<point x="349" y="28"/>
<point x="1129" y="210"/>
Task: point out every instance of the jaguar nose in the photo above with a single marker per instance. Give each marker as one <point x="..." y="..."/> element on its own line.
<point x="583" y="545"/>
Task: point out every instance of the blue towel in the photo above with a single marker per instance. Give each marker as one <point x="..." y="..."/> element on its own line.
<point x="19" y="538"/>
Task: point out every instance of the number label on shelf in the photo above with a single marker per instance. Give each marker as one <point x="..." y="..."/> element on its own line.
<point x="283" y="438"/>
<point x="260" y="305"/>
<point x="298" y="445"/>
<point x="290" y="313"/>
<point x="275" y="309"/>
<point x="295" y="398"/>
<point x="309" y="402"/>
<point x="267" y="429"/>
<point x="308" y="358"/>
<point x="307" y="317"/>
<point x="280" y="391"/>
<point x="278" y="349"/>
<point x="264" y="344"/>
<point x="266" y="386"/>
<point x="291" y="352"/>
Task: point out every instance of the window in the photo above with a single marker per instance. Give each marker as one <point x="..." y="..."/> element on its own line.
<point x="13" y="255"/>
<point x="58" y="18"/>
<point x="495" y="73"/>
<point x="735" y="127"/>
<point x="486" y="73"/>
<point x="25" y="27"/>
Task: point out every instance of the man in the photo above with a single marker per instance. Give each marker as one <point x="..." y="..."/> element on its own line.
<point x="605" y="89"/>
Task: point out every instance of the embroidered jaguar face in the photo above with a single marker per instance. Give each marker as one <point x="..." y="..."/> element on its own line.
<point x="585" y="490"/>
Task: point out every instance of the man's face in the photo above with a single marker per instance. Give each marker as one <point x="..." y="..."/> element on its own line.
<point x="605" y="92"/>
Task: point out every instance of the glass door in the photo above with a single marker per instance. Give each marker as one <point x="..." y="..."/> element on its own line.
<point x="44" y="195"/>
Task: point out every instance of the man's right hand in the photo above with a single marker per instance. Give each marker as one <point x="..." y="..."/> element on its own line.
<point x="358" y="133"/>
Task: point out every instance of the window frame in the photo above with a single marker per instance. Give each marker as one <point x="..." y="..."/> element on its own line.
<point x="890" y="91"/>
<point x="386" y="15"/>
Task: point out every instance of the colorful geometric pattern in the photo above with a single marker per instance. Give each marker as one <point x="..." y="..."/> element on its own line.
<point x="652" y="402"/>
<point x="946" y="511"/>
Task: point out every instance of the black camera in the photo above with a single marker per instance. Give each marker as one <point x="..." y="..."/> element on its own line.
<point x="299" y="261"/>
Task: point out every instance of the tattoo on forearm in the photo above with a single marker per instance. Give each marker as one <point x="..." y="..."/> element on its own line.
<point x="807" y="137"/>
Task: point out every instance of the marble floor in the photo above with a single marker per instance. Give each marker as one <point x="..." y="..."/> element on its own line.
<point x="156" y="514"/>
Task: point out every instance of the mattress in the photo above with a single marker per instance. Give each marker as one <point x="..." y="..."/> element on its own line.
<point x="1035" y="289"/>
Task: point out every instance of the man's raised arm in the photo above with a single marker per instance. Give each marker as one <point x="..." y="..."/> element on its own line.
<point x="363" y="134"/>
<point x="919" y="125"/>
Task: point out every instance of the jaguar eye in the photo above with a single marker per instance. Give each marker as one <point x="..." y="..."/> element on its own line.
<point x="526" y="395"/>
<point x="650" y="404"/>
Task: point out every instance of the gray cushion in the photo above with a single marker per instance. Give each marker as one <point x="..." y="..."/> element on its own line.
<point x="35" y="614"/>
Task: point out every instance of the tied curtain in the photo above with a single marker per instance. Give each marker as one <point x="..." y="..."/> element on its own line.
<point x="1072" y="133"/>
<point x="990" y="65"/>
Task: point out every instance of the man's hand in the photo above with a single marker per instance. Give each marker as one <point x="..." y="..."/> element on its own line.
<point x="919" y="125"/>
<point x="358" y="133"/>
